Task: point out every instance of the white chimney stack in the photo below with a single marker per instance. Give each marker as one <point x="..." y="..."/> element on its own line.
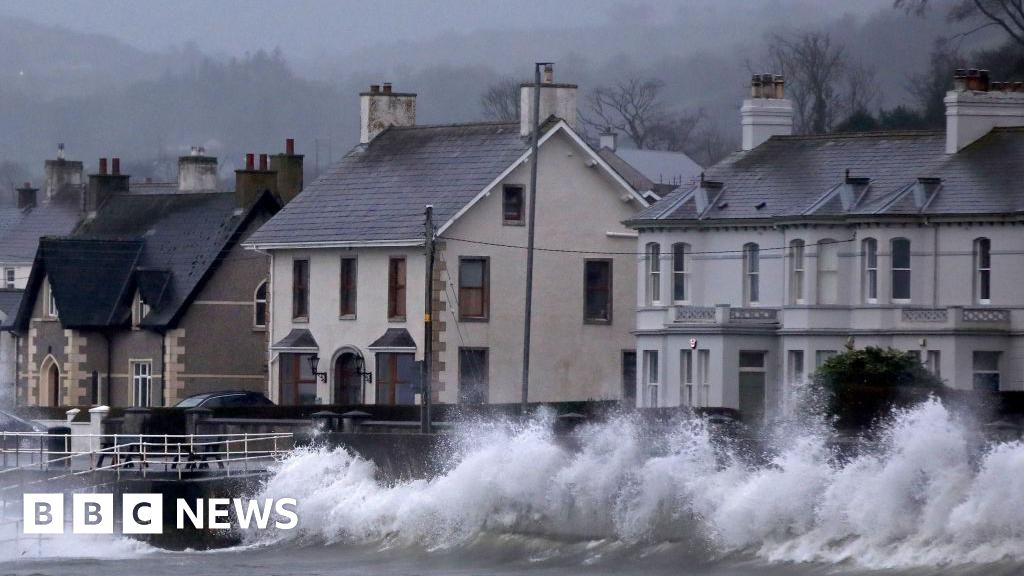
<point x="608" y="140"/>
<point x="557" y="100"/>
<point x="976" y="105"/>
<point x="197" y="172"/>
<point x="381" y="108"/>
<point x="767" y="112"/>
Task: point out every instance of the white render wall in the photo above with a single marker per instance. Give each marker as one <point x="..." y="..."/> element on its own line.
<point x="942" y="278"/>
<point x="578" y="206"/>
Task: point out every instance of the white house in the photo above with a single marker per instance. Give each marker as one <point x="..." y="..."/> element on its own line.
<point x="348" y="265"/>
<point x="798" y="246"/>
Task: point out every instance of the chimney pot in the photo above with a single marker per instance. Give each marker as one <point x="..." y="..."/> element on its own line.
<point x="250" y="161"/>
<point x="60" y="151"/>
<point x="115" y="166"/>
<point x="263" y="162"/>
<point x="374" y="88"/>
<point x="755" y="86"/>
<point x="549" y="73"/>
<point x="103" y="166"/>
<point x="289" y="146"/>
<point x="387" y="87"/>
<point x="780" y="87"/>
<point x="27" y="184"/>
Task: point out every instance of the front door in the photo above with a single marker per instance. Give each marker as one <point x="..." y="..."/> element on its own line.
<point x="752" y="381"/>
<point x="347" y="382"/>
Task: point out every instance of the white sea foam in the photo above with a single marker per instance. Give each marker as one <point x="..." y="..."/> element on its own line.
<point x="926" y="495"/>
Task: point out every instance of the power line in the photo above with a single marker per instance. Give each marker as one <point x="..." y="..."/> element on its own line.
<point x="635" y="253"/>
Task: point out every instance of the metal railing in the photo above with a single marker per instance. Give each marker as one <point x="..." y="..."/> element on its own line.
<point x="140" y="454"/>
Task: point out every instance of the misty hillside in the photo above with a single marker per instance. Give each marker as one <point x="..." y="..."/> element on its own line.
<point x="105" y="98"/>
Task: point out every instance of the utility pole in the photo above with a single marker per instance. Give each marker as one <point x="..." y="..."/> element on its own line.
<point x="428" y="332"/>
<point x="530" y="230"/>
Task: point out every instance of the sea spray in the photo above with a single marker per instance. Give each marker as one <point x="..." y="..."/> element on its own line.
<point x="924" y="494"/>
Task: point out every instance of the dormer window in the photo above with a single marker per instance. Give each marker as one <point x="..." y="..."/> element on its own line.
<point x="139" y="310"/>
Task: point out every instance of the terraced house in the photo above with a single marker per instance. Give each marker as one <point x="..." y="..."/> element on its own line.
<point x="348" y="264"/>
<point x="152" y="298"/>
<point x="798" y="246"/>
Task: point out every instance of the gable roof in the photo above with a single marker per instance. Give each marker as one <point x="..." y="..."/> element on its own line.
<point x="377" y="193"/>
<point x="9" y="300"/>
<point x="21" y="228"/>
<point x="804" y="177"/>
<point x="162" y="245"/>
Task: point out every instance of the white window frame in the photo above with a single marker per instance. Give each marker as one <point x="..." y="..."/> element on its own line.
<point x="933" y="363"/>
<point x="893" y="270"/>
<point x="869" y="248"/>
<point x="704" y="376"/>
<point x="51" y="302"/>
<point x="257" y="301"/>
<point x="982" y="271"/>
<point x="828" y="253"/>
<point x="142" y="382"/>
<point x="139" y="310"/>
<point x="651" y="380"/>
<point x="797" y="268"/>
<point x="653" y="256"/>
<point x="975" y="371"/>
<point x="681" y="272"/>
<point x="795" y="360"/>
<point x="686" y="377"/>
<point x="9" y="277"/>
<point x="751" y="273"/>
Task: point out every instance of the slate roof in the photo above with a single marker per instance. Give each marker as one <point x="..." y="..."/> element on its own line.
<point x="662" y="166"/>
<point x="21" y="229"/>
<point x="629" y="173"/>
<point x="164" y="245"/>
<point x="805" y="176"/>
<point x="9" y="300"/>
<point x="378" y="191"/>
<point x="297" y="339"/>
<point x="394" y="338"/>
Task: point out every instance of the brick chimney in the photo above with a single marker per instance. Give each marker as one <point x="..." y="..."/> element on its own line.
<point x="976" y="105"/>
<point x="609" y="139"/>
<point x="197" y="172"/>
<point x="27" y="196"/>
<point x="103" y="185"/>
<point x="289" y="172"/>
<point x="557" y="100"/>
<point x="767" y="112"/>
<point x="381" y="107"/>
<point x="63" y="178"/>
<point x="253" y="181"/>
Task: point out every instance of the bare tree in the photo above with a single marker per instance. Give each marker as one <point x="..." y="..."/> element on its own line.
<point x="635" y="108"/>
<point x="861" y="89"/>
<point x="813" y="66"/>
<point x="709" y="145"/>
<point x="500" y="102"/>
<point x="1005" y="14"/>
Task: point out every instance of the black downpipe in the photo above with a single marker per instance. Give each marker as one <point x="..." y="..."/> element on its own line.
<point x="110" y="356"/>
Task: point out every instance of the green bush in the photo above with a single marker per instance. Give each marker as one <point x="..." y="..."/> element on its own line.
<point x="864" y="384"/>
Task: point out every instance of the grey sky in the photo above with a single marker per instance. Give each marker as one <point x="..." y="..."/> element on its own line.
<point x="310" y="28"/>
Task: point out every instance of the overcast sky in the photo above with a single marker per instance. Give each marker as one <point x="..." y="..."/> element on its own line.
<point x="308" y="28"/>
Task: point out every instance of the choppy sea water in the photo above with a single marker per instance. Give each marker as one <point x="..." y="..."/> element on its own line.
<point x="929" y="496"/>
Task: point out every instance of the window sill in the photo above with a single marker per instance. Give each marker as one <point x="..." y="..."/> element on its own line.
<point x="259" y="328"/>
<point x="596" y="322"/>
<point x="396" y="319"/>
<point x="901" y="301"/>
<point x="513" y="223"/>
<point x="474" y="319"/>
<point x="301" y="320"/>
<point x="347" y="317"/>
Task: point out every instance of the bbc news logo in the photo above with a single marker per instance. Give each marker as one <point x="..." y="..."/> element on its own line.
<point x="144" y="514"/>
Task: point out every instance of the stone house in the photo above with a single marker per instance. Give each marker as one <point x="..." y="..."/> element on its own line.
<point x="798" y="246"/>
<point x="348" y="264"/>
<point x="152" y="298"/>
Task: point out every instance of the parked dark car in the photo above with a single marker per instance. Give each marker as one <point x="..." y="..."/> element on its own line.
<point x="225" y="399"/>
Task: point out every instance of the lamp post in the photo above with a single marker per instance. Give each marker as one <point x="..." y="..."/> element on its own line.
<point x="314" y="361"/>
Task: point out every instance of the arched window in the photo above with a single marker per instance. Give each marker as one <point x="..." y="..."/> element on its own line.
<point x="983" y="271"/>
<point x="680" y="272"/>
<point x="653" y="255"/>
<point x="828" y="271"/>
<point x="259" y="318"/>
<point x="900" y="249"/>
<point x="751" y="273"/>
<point x="796" y="272"/>
<point x="869" y="250"/>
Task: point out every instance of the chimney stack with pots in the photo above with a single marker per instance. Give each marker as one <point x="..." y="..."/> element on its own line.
<point x="288" y="167"/>
<point x="64" y="179"/>
<point x="251" y="182"/>
<point x="197" y="172"/>
<point x="767" y="112"/>
<point x="557" y="100"/>
<point x="103" y="185"/>
<point x="27" y="196"/>
<point x="976" y="105"/>
<point x="380" y="109"/>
